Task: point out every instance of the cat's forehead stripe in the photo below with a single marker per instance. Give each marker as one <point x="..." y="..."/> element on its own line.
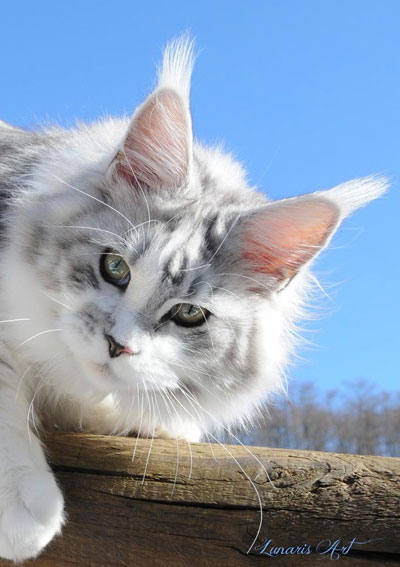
<point x="82" y="275"/>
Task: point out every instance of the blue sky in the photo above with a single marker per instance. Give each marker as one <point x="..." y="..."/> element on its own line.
<point x="305" y="93"/>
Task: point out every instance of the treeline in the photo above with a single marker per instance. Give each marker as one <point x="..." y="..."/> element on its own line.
<point x="355" y="419"/>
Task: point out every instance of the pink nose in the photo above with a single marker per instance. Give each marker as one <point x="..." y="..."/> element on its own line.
<point x="116" y="349"/>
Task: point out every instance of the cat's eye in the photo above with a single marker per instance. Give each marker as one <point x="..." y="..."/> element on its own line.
<point x="114" y="269"/>
<point x="189" y="315"/>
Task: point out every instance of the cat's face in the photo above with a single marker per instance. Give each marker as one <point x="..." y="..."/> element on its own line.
<point x="155" y="289"/>
<point x="161" y="289"/>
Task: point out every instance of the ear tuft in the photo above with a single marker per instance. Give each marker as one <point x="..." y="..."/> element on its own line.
<point x="177" y="66"/>
<point x="356" y="193"/>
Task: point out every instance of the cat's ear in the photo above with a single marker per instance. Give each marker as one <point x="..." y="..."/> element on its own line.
<point x="280" y="238"/>
<point x="157" y="149"/>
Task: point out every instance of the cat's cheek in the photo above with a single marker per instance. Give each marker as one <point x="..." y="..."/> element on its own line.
<point x="88" y="353"/>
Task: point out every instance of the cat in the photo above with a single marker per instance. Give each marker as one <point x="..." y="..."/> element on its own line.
<point x="145" y="288"/>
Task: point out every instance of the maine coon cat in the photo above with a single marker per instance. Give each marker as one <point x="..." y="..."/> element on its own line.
<point x="145" y="288"/>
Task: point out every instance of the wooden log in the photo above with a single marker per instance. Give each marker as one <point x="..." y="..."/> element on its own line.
<point x="176" y="505"/>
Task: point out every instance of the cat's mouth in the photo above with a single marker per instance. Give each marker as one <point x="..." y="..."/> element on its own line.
<point x="103" y="374"/>
<point x="95" y="367"/>
<point x="106" y="378"/>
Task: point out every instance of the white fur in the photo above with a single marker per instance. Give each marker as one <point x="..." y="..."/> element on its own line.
<point x="176" y="70"/>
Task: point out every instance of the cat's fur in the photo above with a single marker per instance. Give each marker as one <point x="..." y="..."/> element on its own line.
<point x="192" y="230"/>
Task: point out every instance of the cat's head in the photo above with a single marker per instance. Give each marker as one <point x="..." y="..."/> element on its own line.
<point x="163" y="269"/>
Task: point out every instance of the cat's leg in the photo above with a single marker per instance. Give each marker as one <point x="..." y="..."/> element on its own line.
<point x="31" y="504"/>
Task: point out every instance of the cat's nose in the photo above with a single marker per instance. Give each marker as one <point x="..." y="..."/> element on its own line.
<point x="115" y="348"/>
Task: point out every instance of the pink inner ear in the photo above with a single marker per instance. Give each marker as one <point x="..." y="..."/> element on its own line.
<point x="156" y="149"/>
<point x="283" y="237"/>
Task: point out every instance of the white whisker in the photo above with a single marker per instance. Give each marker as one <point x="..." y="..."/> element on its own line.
<point x="140" y="423"/>
<point x="94" y="198"/>
<point x="151" y="441"/>
<point x="59" y="302"/>
<point x="222" y="426"/>
<point x="236" y="462"/>
<point x="22" y="379"/>
<point x="13" y="320"/>
<point x="102" y="230"/>
<point x="37" y="335"/>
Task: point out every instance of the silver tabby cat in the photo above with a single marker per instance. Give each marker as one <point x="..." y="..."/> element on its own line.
<point x="145" y="288"/>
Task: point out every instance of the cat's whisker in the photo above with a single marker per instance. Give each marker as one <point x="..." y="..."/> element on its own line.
<point x="131" y="405"/>
<point x="22" y="379"/>
<point x="229" y="291"/>
<point x="236" y="461"/>
<point x="148" y="412"/>
<point x="30" y="419"/>
<point x="168" y="399"/>
<point x="225" y="238"/>
<point x="143" y="239"/>
<point x="176" y="469"/>
<point x="14" y="320"/>
<point x="139" y="185"/>
<point x="152" y="437"/>
<point x="42" y="382"/>
<point x="94" y="198"/>
<point x="195" y="268"/>
<point x="140" y="225"/>
<point x="37" y="335"/>
<point x="209" y="262"/>
<point x="102" y="230"/>
<point x="59" y="302"/>
<point x="191" y="459"/>
<point x="91" y="254"/>
<point x="225" y="318"/>
<point x="211" y="447"/>
<point x="189" y="445"/>
<point x="140" y="422"/>
<point x="259" y="284"/>
<point x="222" y="426"/>
<point x="191" y="368"/>
<point x="208" y="328"/>
<point x="203" y="386"/>
<point x="165" y="400"/>
<point x="193" y="351"/>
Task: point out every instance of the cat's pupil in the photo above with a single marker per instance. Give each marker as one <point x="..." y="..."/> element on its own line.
<point x="189" y="310"/>
<point x="114" y="267"/>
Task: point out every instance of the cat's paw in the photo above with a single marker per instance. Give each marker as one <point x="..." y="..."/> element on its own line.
<point x="189" y="432"/>
<point x="31" y="515"/>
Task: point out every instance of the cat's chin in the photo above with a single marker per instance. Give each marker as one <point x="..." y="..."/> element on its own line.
<point x="102" y="377"/>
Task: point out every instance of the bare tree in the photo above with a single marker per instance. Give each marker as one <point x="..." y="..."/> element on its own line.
<point x="355" y="419"/>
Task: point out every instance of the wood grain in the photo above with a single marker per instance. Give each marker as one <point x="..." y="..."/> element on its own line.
<point x="177" y="505"/>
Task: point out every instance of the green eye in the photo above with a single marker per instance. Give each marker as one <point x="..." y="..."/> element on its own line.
<point x="114" y="269"/>
<point x="189" y="315"/>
